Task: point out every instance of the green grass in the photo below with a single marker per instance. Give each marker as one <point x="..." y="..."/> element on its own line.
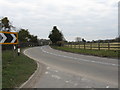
<point x="16" y="70"/>
<point x="101" y="53"/>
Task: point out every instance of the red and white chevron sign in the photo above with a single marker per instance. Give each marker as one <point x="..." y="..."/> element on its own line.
<point x="8" y="38"/>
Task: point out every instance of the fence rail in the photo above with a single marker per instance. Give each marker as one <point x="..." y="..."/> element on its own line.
<point x="96" y="46"/>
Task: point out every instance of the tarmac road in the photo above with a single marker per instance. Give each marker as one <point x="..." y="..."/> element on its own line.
<point x="68" y="70"/>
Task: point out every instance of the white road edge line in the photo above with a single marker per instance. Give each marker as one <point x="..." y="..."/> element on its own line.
<point x="78" y="58"/>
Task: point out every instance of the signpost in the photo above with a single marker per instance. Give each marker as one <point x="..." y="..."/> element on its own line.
<point x="0" y="66"/>
<point x="8" y="38"/>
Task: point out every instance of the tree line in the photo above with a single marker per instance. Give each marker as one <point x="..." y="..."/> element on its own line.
<point x="56" y="36"/>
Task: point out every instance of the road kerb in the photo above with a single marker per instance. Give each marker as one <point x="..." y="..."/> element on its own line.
<point x="29" y="83"/>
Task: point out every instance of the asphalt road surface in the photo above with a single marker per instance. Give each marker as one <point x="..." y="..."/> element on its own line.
<point x="68" y="70"/>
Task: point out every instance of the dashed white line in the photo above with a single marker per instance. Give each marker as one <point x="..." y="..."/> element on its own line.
<point x="48" y="67"/>
<point x="104" y="63"/>
<point x="67" y="81"/>
<point x="56" y="77"/>
<point x="107" y="86"/>
<point x="46" y="72"/>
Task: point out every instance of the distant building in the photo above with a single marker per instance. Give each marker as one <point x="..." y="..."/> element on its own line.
<point x="44" y="42"/>
<point x="78" y="39"/>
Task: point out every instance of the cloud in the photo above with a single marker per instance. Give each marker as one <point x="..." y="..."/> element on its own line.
<point x="91" y="19"/>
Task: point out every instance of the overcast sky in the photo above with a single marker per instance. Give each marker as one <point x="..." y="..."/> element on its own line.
<point x="89" y="19"/>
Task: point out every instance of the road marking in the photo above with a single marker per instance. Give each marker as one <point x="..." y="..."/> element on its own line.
<point x="67" y="81"/>
<point x="85" y="79"/>
<point x="48" y="68"/>
<point x="56" y="77"/>
<point x="56" y="70"/>
<point x="107" y="86"/>
<point x="75" y="84"/>
<point x="104" y="63"/>
<point x="46" y="72"/>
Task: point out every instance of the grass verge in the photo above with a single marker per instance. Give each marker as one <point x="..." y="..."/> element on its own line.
<point x="16" y="69"/>
<point x="100" y="53"/>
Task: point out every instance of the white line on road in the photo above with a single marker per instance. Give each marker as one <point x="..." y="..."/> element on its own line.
<point x="56" y="77"/>
<point x="104" y="63"/>
<point x="46" y="72"/>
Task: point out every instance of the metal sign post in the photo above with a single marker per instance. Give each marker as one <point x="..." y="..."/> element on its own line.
<point x="0" y="66"/>
<point x="6" y="38"/>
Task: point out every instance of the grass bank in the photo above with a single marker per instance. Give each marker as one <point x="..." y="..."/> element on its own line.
<point x="100" y="53"/>
<point x="16" y="69"/>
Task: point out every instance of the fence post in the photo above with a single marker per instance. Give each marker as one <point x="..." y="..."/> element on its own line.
<point x="74" y="44"/>
<point x="67" y="45"/>
<point x="98" y="45"/>
<point x="91" y="45"/>
<point x="108" y="46"/>
<point x="79" y="45"/>
<point x="71" y="44"/>
<point x="84" y="45"/>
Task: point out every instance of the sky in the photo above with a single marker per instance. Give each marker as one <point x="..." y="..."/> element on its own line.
<point x="88" y="19"/>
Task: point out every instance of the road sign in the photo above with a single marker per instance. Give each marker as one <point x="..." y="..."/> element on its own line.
<point x="8" y="38"/>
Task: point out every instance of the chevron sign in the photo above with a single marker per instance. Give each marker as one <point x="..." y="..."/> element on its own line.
<point x="8" y="38"/>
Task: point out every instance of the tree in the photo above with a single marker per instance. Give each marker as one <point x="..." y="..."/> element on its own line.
<point x="33" y="39"/>
<point x="55" y="35"/>
<point x="5" y="24"/>
<point x="23" y="35"/>
<point x="83" y="40"/>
